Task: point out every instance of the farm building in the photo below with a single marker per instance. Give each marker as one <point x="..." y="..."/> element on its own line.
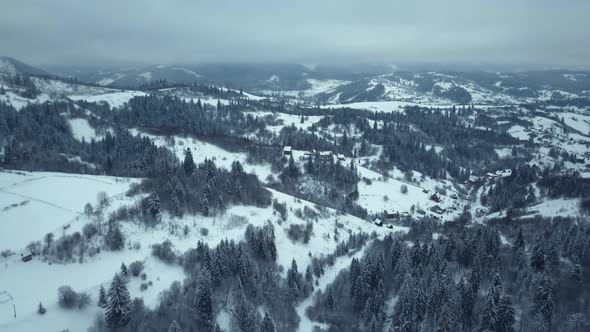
<point x="437" y="209"/>
<point x="26" y="255"/>
<point x="287" y="150"/>
<point x="435" y="198"/>
<point x="326" y="155"/>
<point x="378" y="222"/>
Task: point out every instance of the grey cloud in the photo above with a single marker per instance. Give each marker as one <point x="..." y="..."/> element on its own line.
<point x="535" y="32"/>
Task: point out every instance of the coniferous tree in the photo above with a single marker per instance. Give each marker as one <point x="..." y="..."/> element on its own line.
<point x="188" y="163"/>
<point x="330" y="298"/>
<point x="293" y="281"/>
<point x="489" y="310"/>
<point x="119" y="305"/>
<point x="41" y="310"/>
<point x="543" y="299"/>
<point x="403" y="310"/>
<point x="244" y="313"/>
<point x="268" y="325"/>
<point x="154" y="206"/>
<point x="114" y="239"/>
<point x="205" y="206"/>
<point x="538" y="255"/>
<point x="102" y="298"/>
<point x="124" y="270"/>
<point x="506" y="315"/>
<point x="174" y="327"/>
<point x="203" y="303"/>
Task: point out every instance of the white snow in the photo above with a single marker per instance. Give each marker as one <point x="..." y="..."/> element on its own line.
<point x="82" y="130"/>
<point x="114" y="99"/>
<point x="519" y="132"/>
<point x="47" y="201"/>
<point x="579" y="122"/>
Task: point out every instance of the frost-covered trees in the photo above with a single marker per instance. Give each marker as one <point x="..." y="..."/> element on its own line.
<point x="119" y="303"/>
<point x="203" y="304"/>
<point x="244" y="313"/>
<point x="124" y="270"/>
<point x="294" y="281"/>
<point x="102" y="298"/>
<point x="153" y="205"/>
<point x="69" y="299"/>
<point x="114" y="238"/>
<point x="188" y="164"/>
<point x="268" y="325"/>
<point x="505" y="315"/>
<point x="174" y="327"/>
<point x="543" y="300"/>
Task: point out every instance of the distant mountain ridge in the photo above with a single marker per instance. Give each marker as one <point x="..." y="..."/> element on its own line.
<point x="13" y="66"/>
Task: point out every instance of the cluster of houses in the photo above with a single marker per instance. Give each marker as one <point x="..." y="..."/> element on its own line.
<point x="324" y="155"/>
<point x="503" y="173"/>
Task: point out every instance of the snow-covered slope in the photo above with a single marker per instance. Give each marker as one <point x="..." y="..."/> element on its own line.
<point x="20" y="279"/>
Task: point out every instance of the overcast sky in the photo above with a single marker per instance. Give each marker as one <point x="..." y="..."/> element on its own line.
<point x="532" y="32"/>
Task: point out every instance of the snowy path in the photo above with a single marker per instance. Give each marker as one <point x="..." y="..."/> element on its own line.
<point x="326" y="279"/>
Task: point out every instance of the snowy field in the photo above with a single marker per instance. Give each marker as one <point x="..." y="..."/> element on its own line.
<point x="579" y="122"/>
<point x="82" y="130"/>
<point x="519" y="132"/>
<point x="33" y="204"/>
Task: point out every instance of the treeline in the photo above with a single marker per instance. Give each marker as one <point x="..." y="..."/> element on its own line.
<point x="39" y="138"/>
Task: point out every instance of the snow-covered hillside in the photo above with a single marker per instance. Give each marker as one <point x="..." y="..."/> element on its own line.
<point x="32" y="200"/>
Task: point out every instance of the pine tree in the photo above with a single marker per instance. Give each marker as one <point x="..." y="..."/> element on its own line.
<point x="174" y="327"/>
<point x="403" y="310"/>
<point x="102" y="298"/>
<point x="114" y="239"/>
<point x="293" y="280"/>
<point x="519" y="243"/>
<point x="330" y="298"/>
<point x="154" y="206"/>
<point x="538" y="255"/>
<point x="205" y="206"/>
<point x="446" y="321"/>
<point x="188" y="163"/>
<point x="244" y="313"/>
<point x="41" y="310"/>
<point x="119" y="306"/>
<point x="203" y="303"/>
<point x="268" y="325"/>
<point x="124" y="270"/>
<point x="489" y="310"/>
<point x="543" y="299"/>
<point x="506" y="315"/>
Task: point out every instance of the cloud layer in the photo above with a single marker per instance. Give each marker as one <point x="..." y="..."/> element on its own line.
<point x="531" y="32"/>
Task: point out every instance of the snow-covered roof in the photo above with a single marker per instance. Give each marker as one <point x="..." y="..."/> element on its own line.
<point x="288" y="148"/>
